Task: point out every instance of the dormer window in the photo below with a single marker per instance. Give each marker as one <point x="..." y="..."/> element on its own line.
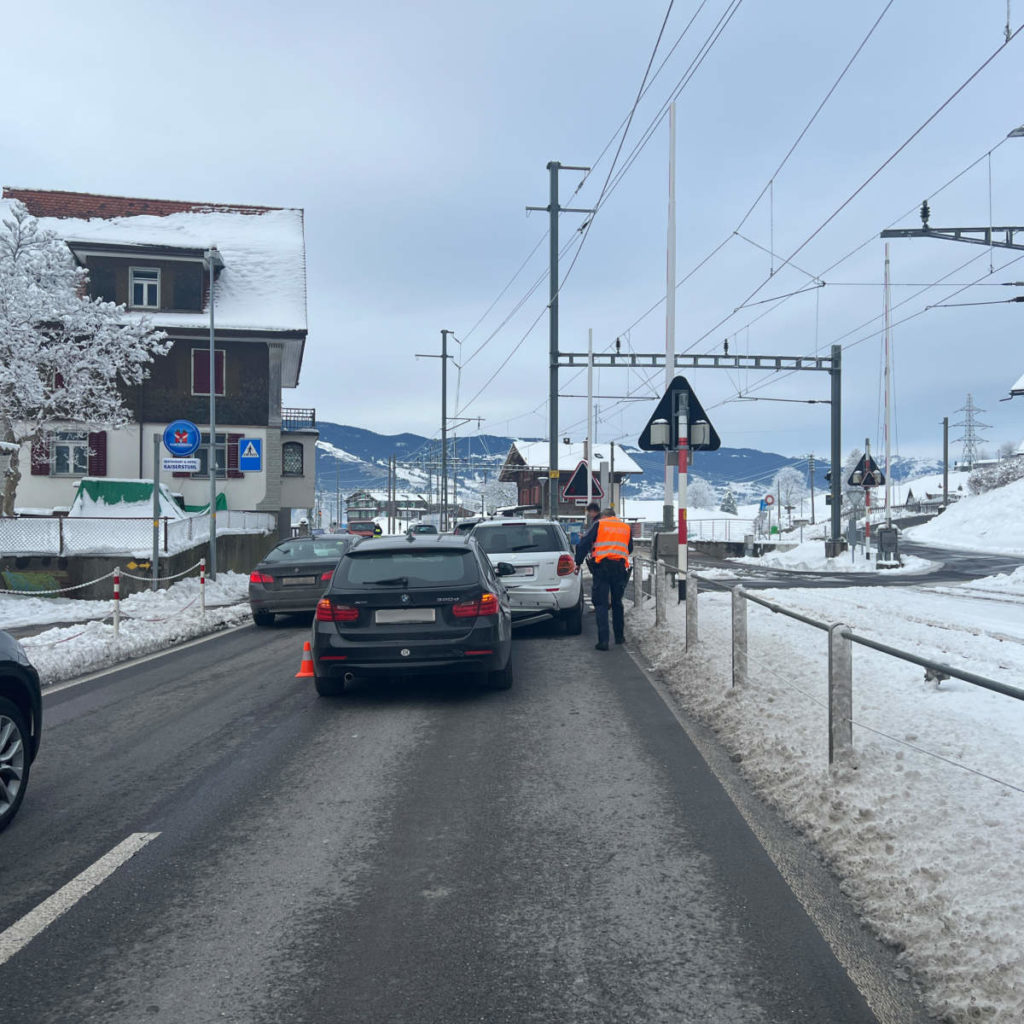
<point x="144" y="286"/>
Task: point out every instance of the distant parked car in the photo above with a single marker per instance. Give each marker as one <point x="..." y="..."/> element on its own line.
<point x="362" y="527"/>
<point x="293" y="576"/>
<point x="545" y="579"/>
<point x="21" y="720"/>
<point x="414" y="604"/>
<point x="466" y="525"/>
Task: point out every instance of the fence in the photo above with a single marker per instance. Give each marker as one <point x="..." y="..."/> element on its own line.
<point x="650" y="580"/>
<point x="707" y="529"/>
<point x="66" y="535"/>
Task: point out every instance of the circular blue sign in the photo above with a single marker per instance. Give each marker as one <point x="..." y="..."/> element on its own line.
<point x="182" y="438"/>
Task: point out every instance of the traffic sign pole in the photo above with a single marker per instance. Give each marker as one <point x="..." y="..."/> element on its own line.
<point x="683" y="404"/>
<point x="156" y="510"/>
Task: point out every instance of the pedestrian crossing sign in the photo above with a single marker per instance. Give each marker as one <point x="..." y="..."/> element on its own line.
<point x="250" y="454"/>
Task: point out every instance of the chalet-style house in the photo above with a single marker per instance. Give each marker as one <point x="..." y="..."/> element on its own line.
<point x="526" y="465"/>
<point x="154" y="256"/>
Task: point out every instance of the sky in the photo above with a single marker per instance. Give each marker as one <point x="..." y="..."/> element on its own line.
<point x="415" y="135"/>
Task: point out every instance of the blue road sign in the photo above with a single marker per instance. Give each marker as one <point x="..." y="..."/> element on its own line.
<point x="250" y="454"/>
<point x="182" y="438"/>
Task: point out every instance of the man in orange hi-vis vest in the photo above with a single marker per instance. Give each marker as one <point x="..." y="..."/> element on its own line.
<point x="609" y="542"/>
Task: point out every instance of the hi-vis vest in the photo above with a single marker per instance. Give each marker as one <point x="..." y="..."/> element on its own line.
<point x="612" y="541"/>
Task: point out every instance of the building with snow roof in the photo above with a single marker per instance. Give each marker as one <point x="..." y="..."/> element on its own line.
<point x="153" y="257"/>
<point x="526" y="465"/>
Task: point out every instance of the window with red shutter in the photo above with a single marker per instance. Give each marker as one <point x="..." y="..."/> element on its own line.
<point x="41" y="457"/>
<point x="201" y="370"/>
<point x="98" y="453"/>
<point x="234" y="473"/>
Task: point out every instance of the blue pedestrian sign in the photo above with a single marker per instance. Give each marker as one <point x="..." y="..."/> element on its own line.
<point x="250" y="454"/>
<point x="181" y="438"/>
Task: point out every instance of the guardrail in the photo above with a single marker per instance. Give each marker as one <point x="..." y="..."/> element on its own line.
<point x="650" y="580"/>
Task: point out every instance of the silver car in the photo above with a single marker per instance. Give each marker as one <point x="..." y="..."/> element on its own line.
<point x="546" y="583"/>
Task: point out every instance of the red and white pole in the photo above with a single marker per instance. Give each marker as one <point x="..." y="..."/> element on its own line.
<point x="684" y="441"/>
<point x="202" y="585"/>
<point x="117" y="601"/>
<point x="867" y="520"/>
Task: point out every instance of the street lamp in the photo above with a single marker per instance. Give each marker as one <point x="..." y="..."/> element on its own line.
<point x="212" y="259"/>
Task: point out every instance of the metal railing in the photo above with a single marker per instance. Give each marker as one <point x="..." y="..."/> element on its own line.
<point x="298" y="419"/>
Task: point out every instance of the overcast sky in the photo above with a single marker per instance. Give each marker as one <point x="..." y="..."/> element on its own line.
<point x="414" y="135"/>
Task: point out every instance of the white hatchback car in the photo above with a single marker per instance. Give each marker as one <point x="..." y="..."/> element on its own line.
<point x="546" y="581"/>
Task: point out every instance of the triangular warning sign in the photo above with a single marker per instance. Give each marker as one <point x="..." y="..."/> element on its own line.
<point x="866" y="473"/>
<point x="249" y="452"/>
<point x="703" y="438"/>
<point x="577" y="485"/>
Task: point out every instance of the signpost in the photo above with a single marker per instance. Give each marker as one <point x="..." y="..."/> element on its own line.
<point x="680" y="424"/>
<point x="181" y="438"/>
<point x="577" y="487"/>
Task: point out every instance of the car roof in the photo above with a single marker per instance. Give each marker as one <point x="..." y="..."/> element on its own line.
<point x="504" y="521"/>
<point x="414" y="540"/>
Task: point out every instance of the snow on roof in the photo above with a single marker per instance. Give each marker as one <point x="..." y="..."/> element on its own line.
<point x="535" y="455"/>
<point x="263" y="283"/>
<point x="111" y="497"/>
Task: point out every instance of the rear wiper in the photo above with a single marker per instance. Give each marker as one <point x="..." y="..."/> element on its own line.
<point x="523" y="547"/>
<point x="395" y="581"/>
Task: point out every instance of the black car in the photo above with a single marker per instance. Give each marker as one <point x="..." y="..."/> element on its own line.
<point x="293" y="576"/>
<point x="417" y="604"/>
<point x="21" y="720"/>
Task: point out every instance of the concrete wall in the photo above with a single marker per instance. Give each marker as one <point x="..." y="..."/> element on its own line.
<point x="235" y="553"/>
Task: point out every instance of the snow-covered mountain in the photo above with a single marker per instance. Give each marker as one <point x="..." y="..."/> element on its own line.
<point x="351" y="458"/>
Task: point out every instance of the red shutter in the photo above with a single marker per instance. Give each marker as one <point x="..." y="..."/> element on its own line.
<point x="234" y="473"/>
<point x="200" y="371"/>
<point x="98" y="453"/>
<point x="41" y="457"/>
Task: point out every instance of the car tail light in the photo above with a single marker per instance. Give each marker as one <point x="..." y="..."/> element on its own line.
<point x="566" y="565"/>
<point x="487" y="605"/>
<point x="260" y="577"/>
<point x="327" y="575"/>
<point x="326" y="611"/>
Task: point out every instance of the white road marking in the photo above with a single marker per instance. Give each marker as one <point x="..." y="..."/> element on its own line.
<point x="22" y="932"/>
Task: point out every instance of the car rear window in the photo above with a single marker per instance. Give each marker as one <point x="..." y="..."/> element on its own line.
<point x="416" y="568"/>
<point x="497" y="539"/>
<point x="308" y="549"/>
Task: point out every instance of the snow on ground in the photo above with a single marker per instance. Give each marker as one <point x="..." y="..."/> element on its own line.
<point x="150" y="621"/>
<point x="924" y="822"/>
<point x="810" y="557"/>
<point x="993" y="521"/>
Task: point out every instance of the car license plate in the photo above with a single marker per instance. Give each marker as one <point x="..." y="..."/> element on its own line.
<point x="304" y="581"/>
<point x="524" y="570"/>
<point x="385" y="615"/>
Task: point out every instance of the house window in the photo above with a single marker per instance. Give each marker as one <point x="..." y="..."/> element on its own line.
<point x="144" y="285"/>
<point x="201" y="370"/>
<point x="69" y="453"/>
<point x="203" y="454"/>
<point x="291" y="458"/>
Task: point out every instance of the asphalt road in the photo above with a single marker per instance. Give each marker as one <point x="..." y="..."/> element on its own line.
<point x="412" y="852"/>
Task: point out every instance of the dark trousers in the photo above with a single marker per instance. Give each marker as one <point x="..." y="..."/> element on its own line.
<point x="610" y="577"/>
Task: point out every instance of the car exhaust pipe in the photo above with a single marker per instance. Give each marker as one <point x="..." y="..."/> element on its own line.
<point x="349" y="676"/>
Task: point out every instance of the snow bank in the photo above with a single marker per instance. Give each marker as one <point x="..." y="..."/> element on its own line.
<point x="993" y="521"/>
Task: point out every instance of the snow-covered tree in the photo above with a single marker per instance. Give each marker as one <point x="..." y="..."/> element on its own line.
<point x="699" y="493"/>
<point x="789" y="487"/>
<point x="728" y="502"/>
<point x="853" y="497"/>
<point x="63" y="355"/>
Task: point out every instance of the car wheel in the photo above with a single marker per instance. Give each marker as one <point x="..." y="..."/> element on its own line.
<point x="573" y="618"/>
<point x="14" y="760"/>
<point x="501" y="679"/>
<point x="263" y="618"/>
<point x="329" y="686"/>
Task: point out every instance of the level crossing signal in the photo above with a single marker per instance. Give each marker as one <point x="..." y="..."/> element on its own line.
<point x="866" y="474"/>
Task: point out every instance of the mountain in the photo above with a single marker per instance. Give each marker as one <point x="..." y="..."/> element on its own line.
<point x="352" y="458"/>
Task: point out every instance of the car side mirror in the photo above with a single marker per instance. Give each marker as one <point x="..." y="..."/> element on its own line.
<point x="504" y="569"/>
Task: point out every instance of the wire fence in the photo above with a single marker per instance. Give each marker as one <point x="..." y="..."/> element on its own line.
<point x="81" y="535"/>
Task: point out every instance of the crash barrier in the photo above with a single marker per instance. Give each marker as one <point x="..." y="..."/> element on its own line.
<point x="116" y="614"/>
<point x="652" y="578"/>
<point x="80" y="535"/>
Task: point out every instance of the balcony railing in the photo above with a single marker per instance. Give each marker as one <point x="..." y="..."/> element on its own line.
<point x="298" y="419"/>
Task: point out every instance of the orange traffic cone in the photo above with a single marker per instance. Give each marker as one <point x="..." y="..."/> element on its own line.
<point x="306" y="668"/>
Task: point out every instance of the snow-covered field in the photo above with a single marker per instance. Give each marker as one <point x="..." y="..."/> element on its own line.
<point x="924" y="823"/>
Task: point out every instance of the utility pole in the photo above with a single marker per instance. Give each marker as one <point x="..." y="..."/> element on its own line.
<point x="810" y="468"/>
<point x="554" y="210"/>
<point x="670" y="305"/>
<point x="443" y="480"/>
<point x="945" y="462"/>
